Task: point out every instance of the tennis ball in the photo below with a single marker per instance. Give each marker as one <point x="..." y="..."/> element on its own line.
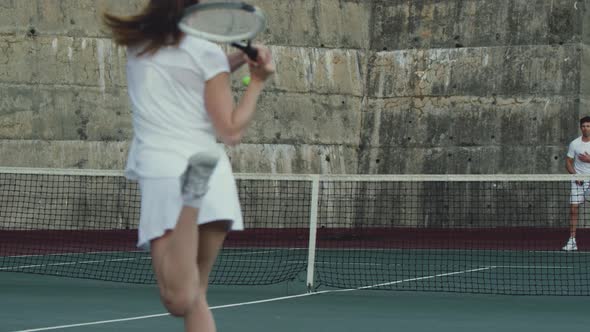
<point x="246" y="80"/>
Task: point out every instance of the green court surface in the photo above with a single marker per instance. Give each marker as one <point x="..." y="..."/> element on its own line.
<point x="44" y="303"/>
<point x="380" y="254"/>
<point x="515" y="272"/>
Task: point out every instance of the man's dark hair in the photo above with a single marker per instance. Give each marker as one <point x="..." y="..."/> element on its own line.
<point x="584" y="120"/>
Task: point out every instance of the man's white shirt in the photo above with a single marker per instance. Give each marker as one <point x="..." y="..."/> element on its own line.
<point x="576" y="148"/>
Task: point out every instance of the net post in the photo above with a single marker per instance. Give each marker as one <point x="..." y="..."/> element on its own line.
<point x="313" y="223"/>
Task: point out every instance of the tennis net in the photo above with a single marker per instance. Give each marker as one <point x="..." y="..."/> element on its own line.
<point x="496" y="234"/>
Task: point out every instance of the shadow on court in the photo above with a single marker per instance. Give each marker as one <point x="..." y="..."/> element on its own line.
<point x="42" y="303"/>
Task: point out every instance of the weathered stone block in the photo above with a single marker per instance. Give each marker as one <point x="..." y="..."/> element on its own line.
<point x="299" y="158"/>
<point x="475" y="71"/>
<point x="468" y="121"/>
<point x="304" y="119"/>
<point x="426" y="24"/>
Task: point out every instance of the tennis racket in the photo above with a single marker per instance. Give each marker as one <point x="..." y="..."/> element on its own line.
<point x="236" y="23"/>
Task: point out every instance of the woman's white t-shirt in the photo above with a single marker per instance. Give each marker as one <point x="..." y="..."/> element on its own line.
<point x="170" y="121"/>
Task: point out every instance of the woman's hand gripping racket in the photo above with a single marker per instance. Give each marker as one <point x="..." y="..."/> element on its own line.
<point x="263" y="67"/>
<point x="236" y="23"/>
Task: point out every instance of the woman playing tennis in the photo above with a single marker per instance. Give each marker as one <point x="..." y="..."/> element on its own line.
<point x="179" y="89"/>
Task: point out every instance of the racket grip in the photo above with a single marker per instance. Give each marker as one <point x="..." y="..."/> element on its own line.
<point x="250" y="51"/>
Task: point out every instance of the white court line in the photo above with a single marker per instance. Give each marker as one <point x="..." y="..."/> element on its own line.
<point x="326" y="263"/>
<point x="119" y="260"/>
<point x="259" y="301"/>
<point x="534" y="267"/>
<point x="79" y="253"/>
<point x="304" y="262"/>
<point x="242" y="252"/>
<point x="246" y="253"/>
<point x="413" y="279"/>
<point x="71" y="263"/>
<point x="255" y="260"/>
<point x="165" y="314"/>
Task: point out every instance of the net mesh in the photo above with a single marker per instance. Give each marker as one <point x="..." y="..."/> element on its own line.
<point x="490" y="236"/>
<point x="499" y="235"/>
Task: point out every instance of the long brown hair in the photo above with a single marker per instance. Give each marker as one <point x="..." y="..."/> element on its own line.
<point x="157" y="24"/>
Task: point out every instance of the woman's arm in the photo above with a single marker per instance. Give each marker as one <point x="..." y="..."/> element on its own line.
<point x="236" y="60"/>
<point x="230" y="124"/>
<point x="231" y="121"/>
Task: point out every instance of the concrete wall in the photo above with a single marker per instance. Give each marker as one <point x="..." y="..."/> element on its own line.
<point x="362" y="86"/>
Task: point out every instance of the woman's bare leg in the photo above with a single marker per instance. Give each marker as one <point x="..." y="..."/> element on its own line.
<point x="173" y="260"/>
<point x="211" y="237"/>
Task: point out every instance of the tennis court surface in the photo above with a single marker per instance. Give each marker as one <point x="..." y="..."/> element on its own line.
<point x="321" y="253"/>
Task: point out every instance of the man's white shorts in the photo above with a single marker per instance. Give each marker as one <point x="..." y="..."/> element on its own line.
<point x="577" y="192"/>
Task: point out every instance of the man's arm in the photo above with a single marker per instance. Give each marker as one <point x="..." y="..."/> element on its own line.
<point x="584" y="157"/>
<point x="569" y="165"/>
<point x="236" y="60"/>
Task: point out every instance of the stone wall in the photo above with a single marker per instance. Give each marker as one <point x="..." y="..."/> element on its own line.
<point x="362" y="86"/>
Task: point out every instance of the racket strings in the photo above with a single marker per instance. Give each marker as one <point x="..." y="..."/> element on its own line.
<point x="225" y="23"/>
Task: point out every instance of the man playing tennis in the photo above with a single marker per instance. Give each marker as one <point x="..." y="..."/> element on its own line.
<point x="578" y="162"/>
<point x="179" y="89"/>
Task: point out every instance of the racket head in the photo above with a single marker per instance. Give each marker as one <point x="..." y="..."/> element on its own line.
<point x="224" y="22"/>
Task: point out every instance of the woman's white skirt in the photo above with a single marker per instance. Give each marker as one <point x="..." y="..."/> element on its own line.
<point x="161" y="203"/>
